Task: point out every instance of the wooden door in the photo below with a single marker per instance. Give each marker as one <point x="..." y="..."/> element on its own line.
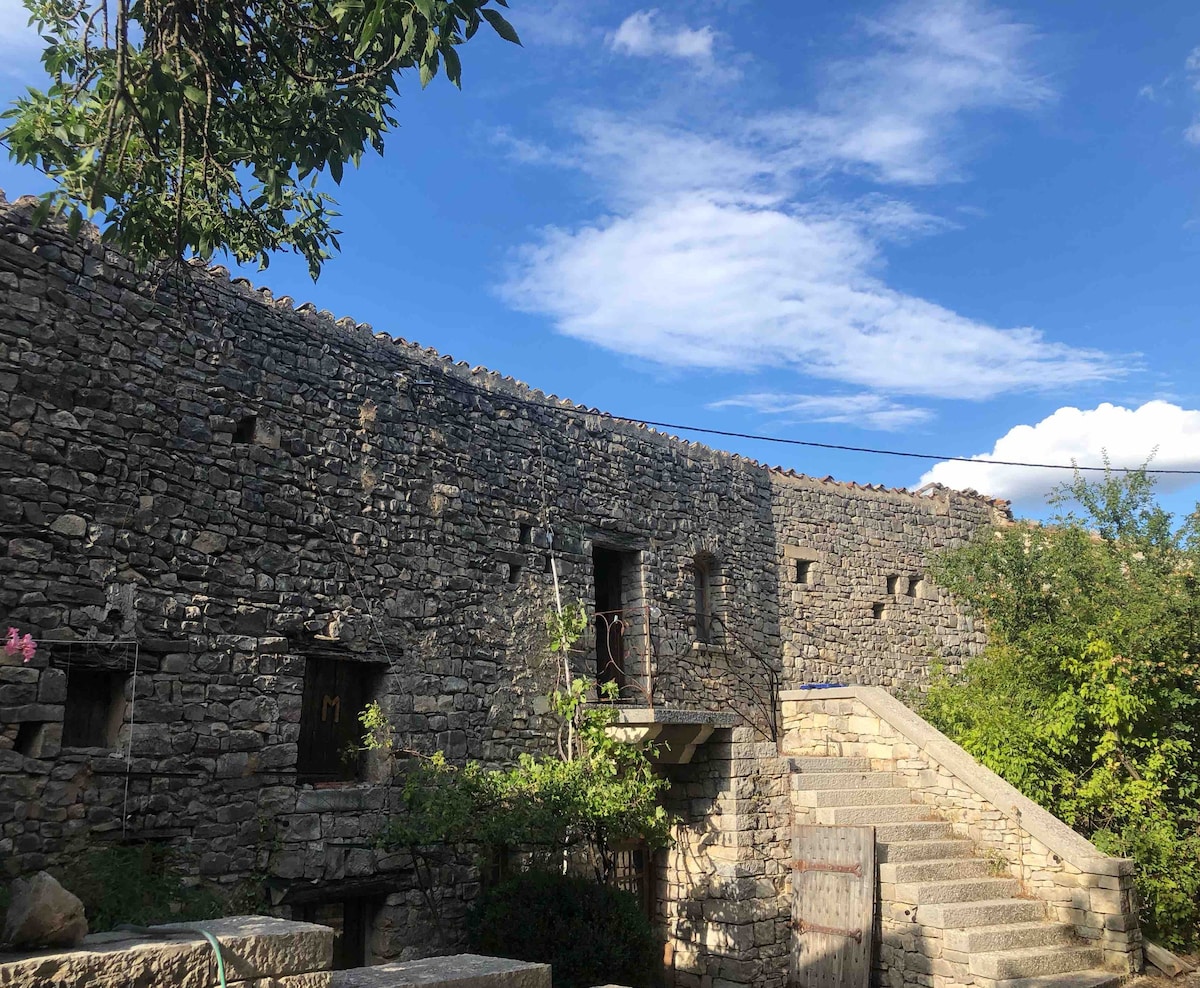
<point x="335" y="692"/>
<point x="833" y="906"/>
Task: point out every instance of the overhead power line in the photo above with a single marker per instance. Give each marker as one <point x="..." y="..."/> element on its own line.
<point x="811" y="444"/>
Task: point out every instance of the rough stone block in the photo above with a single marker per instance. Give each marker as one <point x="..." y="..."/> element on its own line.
<point x="456" y="971"/>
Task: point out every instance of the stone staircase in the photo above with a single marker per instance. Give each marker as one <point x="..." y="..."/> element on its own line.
<point x="947" y="917"/>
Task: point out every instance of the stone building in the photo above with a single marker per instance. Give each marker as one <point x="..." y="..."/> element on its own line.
<point x="232" y="521"/>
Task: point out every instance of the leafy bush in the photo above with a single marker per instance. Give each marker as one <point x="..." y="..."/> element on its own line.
<point x="600" y="792"/>
<point x="1087" y="698"/>
<point x="589" y="933"/>
<point x="139" y="884"/>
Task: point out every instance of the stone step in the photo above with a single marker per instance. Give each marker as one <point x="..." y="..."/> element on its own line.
<point x="861" y="815"/>
<point x="1034" y="962"/>
<point x="984" y="912"/>
<point x="850" y="797"/>
<point x="1095" y="978"/>
<point x="1006" y="936"/>
<point x="955" y="890"/>
<point x="888" y="852"/>
<point x="843" y="780"/>
<point x="829" y="763"/>
<point x="922" y="830"/>
<point x="933" y="870"/>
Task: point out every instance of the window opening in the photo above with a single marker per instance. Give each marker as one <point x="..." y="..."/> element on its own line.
<point x="916" y="587"/>
<point x="879" y="611"/>
<point x="29" y="737"/>
<point x="335" y="692"/>
<point x="632" y="870"/>
<point x="95" y="708"/>
<point x="893" y="584"/>
<point x="526" y="535"/>
<point x="514" y="572"/>
<point x="609" y="570"/>
<point x="243" y="432"/>
<point x="804" y="572"/>
<point x="703" y="571"/>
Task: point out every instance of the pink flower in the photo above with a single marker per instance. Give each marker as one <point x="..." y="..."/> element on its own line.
<point x="18" y="644"/>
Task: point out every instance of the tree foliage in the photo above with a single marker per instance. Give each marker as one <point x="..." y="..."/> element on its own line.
<point x="200" y="125"/>
<point x="606" y="792"/>
<point x="1088" y="695"/>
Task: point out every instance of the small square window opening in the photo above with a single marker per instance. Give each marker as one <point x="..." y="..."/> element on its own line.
<point x="95" y="708"/>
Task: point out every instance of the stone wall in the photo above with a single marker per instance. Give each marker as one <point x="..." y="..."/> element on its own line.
<point x="207" y="492"/>
<point x="725" y="903"/>
<point x="1081" y="886"/>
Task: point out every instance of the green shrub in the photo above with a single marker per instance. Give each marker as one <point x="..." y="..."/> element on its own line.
<point x="1087" y="698"/>
<point x="590" y="934"/>
<point x="140" y="884"/>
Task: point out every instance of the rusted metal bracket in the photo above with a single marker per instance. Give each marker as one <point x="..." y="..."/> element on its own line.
<point x="801" y="865"/>
<point x="800" y="926"/>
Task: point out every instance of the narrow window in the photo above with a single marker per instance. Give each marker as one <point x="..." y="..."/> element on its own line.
<point x="916" y="587"/>
<point x="514" y="572"/>
<point x="893" y="584"/>
<point x="879" y="611"/>
<point x="95" y="708"/>
<point x="804" y="572"/>
<point x="243" y="432"/>
<point x="335" y="692"/>
<point x="703" y="571"/>
<point x="526" y="534"/>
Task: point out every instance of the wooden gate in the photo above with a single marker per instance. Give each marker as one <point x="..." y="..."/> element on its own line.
<point x="833" y="906"/>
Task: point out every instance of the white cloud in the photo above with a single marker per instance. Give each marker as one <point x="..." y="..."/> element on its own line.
<point x="865" y="410"/>
<point x="643" y="34"/>
<point x="715" y="264"/>
<point x="1191" y="67"/>
<point x="1167" y="432"/>
<point x="715" y="254"/>
<point x="896" y="114"/>
<point x="18" y="41"/>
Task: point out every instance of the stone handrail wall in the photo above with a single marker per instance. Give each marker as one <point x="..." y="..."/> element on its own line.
<point x="1080" y="885"/>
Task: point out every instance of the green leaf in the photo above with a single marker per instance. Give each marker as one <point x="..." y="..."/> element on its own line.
<point x="453" y="66"/>
<point x="500" y="25"/>
<point x="429" y="67"/>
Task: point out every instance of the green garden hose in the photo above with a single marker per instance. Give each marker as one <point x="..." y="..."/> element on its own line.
<point x="160" y="933"/>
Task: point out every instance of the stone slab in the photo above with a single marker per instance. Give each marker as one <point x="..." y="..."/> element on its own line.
<point x="254" y="948"/>
<point x="455" y="971"/>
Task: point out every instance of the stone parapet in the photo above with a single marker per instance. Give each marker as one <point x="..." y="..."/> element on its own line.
<point x="257" y="951"/>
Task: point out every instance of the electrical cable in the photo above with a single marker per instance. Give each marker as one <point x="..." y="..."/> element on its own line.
<point x="580" y="410"/>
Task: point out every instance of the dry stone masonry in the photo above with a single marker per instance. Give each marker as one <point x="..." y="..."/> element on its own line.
<point x="231" y="522"/>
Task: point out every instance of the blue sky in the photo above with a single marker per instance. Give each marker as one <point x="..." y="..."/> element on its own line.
<point x="945" y="226"/>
